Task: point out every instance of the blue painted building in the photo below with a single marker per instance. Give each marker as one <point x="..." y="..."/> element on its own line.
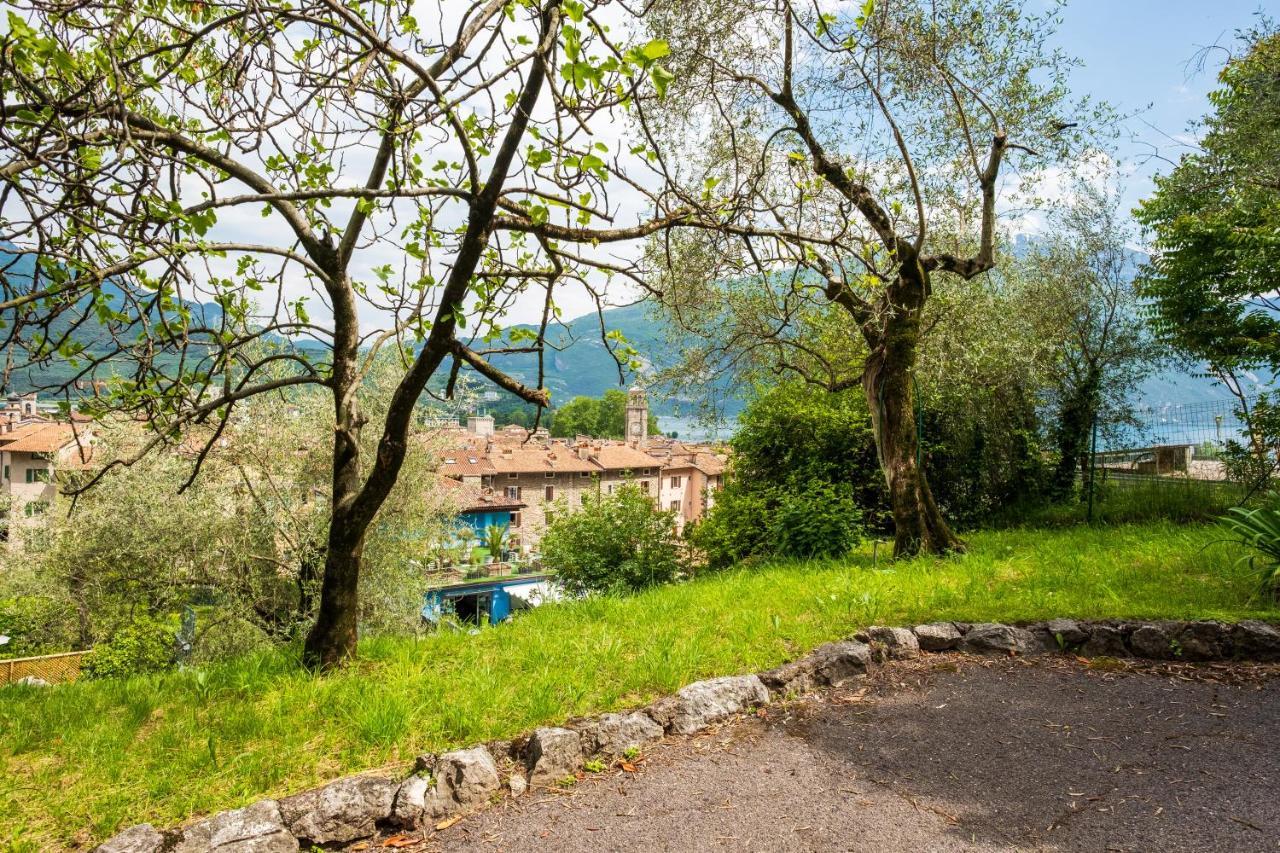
<point x="491" y="600"/>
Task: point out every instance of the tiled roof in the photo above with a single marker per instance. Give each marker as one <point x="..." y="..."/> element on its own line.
<point x="537" y="459"/>
<point x="40" y="438"/>
<point x="622" y="457"/>
<point x="474" y="499"/>
<point x="465" y="462"/>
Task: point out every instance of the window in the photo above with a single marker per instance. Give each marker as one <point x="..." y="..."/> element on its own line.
<point x="515" y="519"/>
<point x="675" y="506"/>
<point x="584" y="473"/>
<point x="37" y="475"/>
<point x="512" y="492"/>
<point x="644" y="486"/>
<point x="675" y="482"/>
<point x="550" y="493"/>
<point x="513" y="475"/>
<point x="550" y="475"/>
<point x="6" y="472"/>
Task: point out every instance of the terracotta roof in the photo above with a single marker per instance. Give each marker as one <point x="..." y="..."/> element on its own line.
<point x="465" y="462"/>
<point x="710" y="464"/>
<point x="622" y="457"/>
<point x="40" y="438"/>
<point x="474" y="499"/>
<point x="537" y="459"/>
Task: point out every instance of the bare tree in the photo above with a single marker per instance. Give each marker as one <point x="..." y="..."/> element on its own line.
<point x="854" y="156"/>
<point x="184" y="182"/>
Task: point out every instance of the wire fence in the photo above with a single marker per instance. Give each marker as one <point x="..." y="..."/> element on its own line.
<point x="1188" y="450"/>
<point x="53" y="669"/>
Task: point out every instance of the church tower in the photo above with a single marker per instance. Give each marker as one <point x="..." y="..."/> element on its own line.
<point x="637" y="415"/>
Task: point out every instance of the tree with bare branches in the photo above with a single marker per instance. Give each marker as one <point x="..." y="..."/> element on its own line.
<point x="194" y="194"/>
<point x="856" y="155"/>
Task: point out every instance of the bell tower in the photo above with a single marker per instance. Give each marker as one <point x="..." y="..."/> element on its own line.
<point x="637" y="415"/>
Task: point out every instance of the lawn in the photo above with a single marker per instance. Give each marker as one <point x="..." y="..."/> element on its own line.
<point x="83" y="760"/>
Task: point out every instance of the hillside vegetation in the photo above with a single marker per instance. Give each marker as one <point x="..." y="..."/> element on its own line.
<point x="86" y="759"/>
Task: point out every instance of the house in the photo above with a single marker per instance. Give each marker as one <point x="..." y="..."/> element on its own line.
<point x="691" y="476"/>
<point x="31" y="454"/>
<point x="480" y="508"/>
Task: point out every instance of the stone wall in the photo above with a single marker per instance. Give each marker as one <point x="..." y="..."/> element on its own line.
<point x="441" y="786"/>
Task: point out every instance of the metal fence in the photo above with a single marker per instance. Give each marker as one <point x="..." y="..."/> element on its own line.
<point x="54" y="669"/>
<point x="1174" y="447"/>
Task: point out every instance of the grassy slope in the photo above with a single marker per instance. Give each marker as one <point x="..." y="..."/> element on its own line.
<point x="83" y="760"/>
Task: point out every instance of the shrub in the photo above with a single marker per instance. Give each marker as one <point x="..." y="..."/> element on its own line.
<point x="1259" y="531"/>
<point x="145" y="645"/>
<point x="797" y="520"/>
<point x="618" y="542"/>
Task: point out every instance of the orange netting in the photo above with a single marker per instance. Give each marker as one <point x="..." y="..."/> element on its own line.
<point x="51" y="668"/>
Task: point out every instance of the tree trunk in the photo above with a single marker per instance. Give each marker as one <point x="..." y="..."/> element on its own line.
<point x="919" y="527"/>
<point x="1075" y="424"/>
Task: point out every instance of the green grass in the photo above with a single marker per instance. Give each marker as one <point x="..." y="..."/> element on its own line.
<point x="83" y="760"/>
<point x="1136" y="501"/>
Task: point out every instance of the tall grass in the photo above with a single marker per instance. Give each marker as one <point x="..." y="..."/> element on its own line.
<point x="82" y="760"/>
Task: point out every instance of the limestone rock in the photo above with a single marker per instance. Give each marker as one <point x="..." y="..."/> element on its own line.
<point x="518" y="784"/>
<point x="614" y="734"/>
<point x="345" y="810"/>
<point x="258" y="828"/>
<point x="836" y="663"/>
<point x="1104" y="641"/>
<point x="1256" y="640"/>
<point x="793" y="677"/>
<point x="553" y="754"/>
<point x="937" y="636"/>
<point x="465" y="779"/>
<point x="410" y="801"/>
<point x="1203" y="641"/>
<point x="891" y="643"/>
<point x="1071" y="631"/>
<point x="142" y="838"/>
<point x="1153" y="640"/>
<point x="698" y="705"/>
<point x="990" y="638"/>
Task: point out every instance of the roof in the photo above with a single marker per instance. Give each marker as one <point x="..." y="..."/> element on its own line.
<point x="622" y="457"/>
<point x="40" y="438"/>
<point x="474" y="499"/>
<point x="537" y="459"/>
<point x="465" y="462"/>
<point x="710" y="464"/>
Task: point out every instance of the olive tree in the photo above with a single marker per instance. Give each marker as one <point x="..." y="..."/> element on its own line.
<point x="855" y="155"/>
<point x="183" y="179"/>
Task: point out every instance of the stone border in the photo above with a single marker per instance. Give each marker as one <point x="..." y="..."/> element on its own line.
<point x="453" y="783"/>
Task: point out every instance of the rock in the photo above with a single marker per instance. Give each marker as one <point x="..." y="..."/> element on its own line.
<point x="142" y="838"/>
<point x="1256" y="640"/>
<point x="990" y="638"/>
<point x="553" y="754"/>
<point x="793" y="677"/>
<point x="258" y="828"/>
<point x="410" y="802"/>
<point x="698" y="705"/>
<point x="937" y="636"/>
<point x="501" y="750"/>
<point x="614" y="734"/>
<point x="1203" y="641"/>
<point x="836" y="663"/>
<point x="33" y="681"/>
<point x="1104" y="641"/>
<point x="341" y="811"/>
<point x="517" y="784"/>
<point x="425" y="764"/>
<point x="465" y="779"/>
<point x="1153" y="641"/>
<point x="1070" y="631"/>
<point x="891" y="643"/>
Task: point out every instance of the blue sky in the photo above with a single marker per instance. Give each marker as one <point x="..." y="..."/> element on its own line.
<point x="1140" y="55"/>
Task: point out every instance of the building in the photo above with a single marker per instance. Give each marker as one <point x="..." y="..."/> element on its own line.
<point x="32" y="451"/>
<point x="548" y="475"/>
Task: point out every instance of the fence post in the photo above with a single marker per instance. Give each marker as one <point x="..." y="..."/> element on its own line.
<point x="1093" y="467"/>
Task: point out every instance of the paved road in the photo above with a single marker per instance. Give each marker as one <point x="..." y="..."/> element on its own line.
<point x="944" y="754"/>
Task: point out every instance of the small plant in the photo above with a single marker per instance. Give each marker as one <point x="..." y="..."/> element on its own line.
<point x="568" y="781"/>
<point x="495" y="539"/>
<point x="631" y="753"/>
<point x="594" y="765"/>
<point x="1258" y="530"/>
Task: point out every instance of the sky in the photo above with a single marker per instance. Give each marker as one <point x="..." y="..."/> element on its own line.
<point x="1141" y="56"/>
